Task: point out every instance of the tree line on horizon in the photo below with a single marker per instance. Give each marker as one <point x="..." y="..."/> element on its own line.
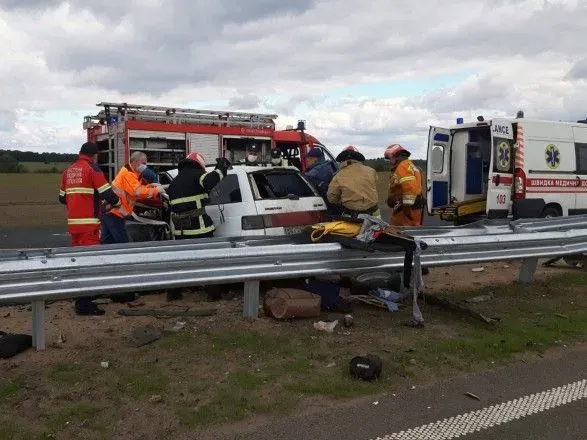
<point x="11" y="161"/>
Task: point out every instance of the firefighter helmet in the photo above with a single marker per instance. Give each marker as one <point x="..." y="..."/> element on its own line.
<point x="394" y="150"/>
<point x="197" y="158"/>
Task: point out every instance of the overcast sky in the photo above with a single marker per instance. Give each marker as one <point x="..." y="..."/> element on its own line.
<point x="365" y="74"/>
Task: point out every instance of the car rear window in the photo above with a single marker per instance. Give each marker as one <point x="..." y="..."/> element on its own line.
<point x="281" y="184"/>
<point x="227" y="191"/>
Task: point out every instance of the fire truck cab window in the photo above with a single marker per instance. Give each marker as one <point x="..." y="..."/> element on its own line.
<point x="236" y="148"/>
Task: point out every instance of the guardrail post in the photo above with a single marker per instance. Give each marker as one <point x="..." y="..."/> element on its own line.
<point x="527" y="270"/>
<point x="251" y="299"/>
<point x="38" y="310"/>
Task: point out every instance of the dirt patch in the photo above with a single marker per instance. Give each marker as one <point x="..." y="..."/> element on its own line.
<point x="220" y="373"/>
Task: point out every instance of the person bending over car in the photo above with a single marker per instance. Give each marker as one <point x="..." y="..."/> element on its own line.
<point x="188" y="197"/>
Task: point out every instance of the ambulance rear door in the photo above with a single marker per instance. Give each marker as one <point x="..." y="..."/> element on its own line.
<point x="438" y="168"/>
<point x="501" y="169"/>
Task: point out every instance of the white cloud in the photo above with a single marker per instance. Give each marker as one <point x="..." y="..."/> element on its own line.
<point x="289" y="57"/>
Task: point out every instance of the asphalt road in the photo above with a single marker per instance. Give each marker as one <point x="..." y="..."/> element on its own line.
<point x="542" y="399"/>
<point x="26" y="238"/>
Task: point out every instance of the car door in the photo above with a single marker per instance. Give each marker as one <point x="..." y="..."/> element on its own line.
<point x="230" y="201"/>
<point x="438" y="168"/>
<point x="501" y="169"/>
<point x="285" y="200"/>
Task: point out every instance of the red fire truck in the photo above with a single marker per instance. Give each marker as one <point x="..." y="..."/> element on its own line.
<point x="168" y="134"/>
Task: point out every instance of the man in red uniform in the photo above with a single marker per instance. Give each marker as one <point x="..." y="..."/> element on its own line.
<point x="83" y="186"/>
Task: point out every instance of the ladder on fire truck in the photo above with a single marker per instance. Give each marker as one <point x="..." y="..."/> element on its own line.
<point x="114" y="112"/>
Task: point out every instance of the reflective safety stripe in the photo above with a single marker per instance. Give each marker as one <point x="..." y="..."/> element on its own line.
<point x="61" y="192"/>
<point x="408" y="199"/>
<point x="203" y="176"/>
<point x="104" y="187"/>
<point x="197" y="198"/>
<point x="79" y="191"/>
<point x="407" y="179"/>
<point x="194" y="231"/>
<point x="118" y="191"/>
<point x="83" y="221"/>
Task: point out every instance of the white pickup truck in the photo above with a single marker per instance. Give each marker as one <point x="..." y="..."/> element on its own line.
<point x="250" y="200"/>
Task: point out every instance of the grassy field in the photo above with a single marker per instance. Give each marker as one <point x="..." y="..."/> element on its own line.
<point x="35" y="167"/>
<point x="222" y="369"/>
<point x="30" y="200"/>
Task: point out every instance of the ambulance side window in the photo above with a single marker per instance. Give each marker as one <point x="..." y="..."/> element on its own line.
<point x="437" y="158"/>
<point x="581" y="150"/>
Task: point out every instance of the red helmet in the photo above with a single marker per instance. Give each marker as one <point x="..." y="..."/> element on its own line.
<point x="393" y="150"/>
<point x="351" y="148"/>
<point x="198" y="158"/>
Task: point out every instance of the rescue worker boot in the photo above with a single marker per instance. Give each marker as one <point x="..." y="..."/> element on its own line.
<point x="85" y="307"/>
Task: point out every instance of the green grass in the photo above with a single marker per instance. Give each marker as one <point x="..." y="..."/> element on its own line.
<point x="11" y="387"/>
<point x="30" y="200"/>
<point x="76" y="413"/>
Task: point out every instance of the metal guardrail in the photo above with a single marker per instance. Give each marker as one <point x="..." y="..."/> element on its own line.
<point x="48" y="274"/>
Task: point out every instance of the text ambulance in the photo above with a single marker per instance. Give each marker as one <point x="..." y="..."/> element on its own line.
<point x="507" y="167"/>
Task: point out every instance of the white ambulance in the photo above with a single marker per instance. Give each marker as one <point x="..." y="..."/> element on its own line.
<point x="507" y="167"/>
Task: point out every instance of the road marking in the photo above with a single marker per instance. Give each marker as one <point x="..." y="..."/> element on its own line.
<point x="495" y="415"/>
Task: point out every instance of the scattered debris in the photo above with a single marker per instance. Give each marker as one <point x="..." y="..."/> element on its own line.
<point x="478" y="269"/>
<point x="560" y="315"/>
<point x="506" y="266"/>
<point x="376" y="403"/>
<point x="331" y="364"/>
<point x="443" y="302"/>
<point x="104" y="364"/>
<point x="144" y="335"/>
<point x="325" y="326"/>
<point x="413" y="361"/>
<point x="472" y="396"/>
<point x="348" y="321"/>
<point x="480" y="298"/>
<point x="7" y="315"/>
<point x="179" y="325"/>
<point x="61" y="339"/>
<point x="413" y="387"/>
<point x="155" y="398"/>
<point x="166" y="313"/>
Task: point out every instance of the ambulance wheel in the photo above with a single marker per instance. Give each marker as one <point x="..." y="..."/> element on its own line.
<point x="550" y="211"/>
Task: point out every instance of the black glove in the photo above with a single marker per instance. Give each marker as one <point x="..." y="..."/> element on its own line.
<point x="223" y="164"/>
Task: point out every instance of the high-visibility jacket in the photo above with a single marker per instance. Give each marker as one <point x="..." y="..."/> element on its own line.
<point x="405" y="185"/>
<point x="354" y="187"/>
<point x="188" y="196"/>
<point x="82" y="186"/>
<point x="128" y="187"/>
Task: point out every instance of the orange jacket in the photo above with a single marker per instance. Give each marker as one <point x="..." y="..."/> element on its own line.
<point x="128" y="187"/>
<point x="405" y="184"/>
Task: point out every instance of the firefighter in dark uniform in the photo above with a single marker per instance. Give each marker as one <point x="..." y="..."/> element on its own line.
<point x="188" y="197"/>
